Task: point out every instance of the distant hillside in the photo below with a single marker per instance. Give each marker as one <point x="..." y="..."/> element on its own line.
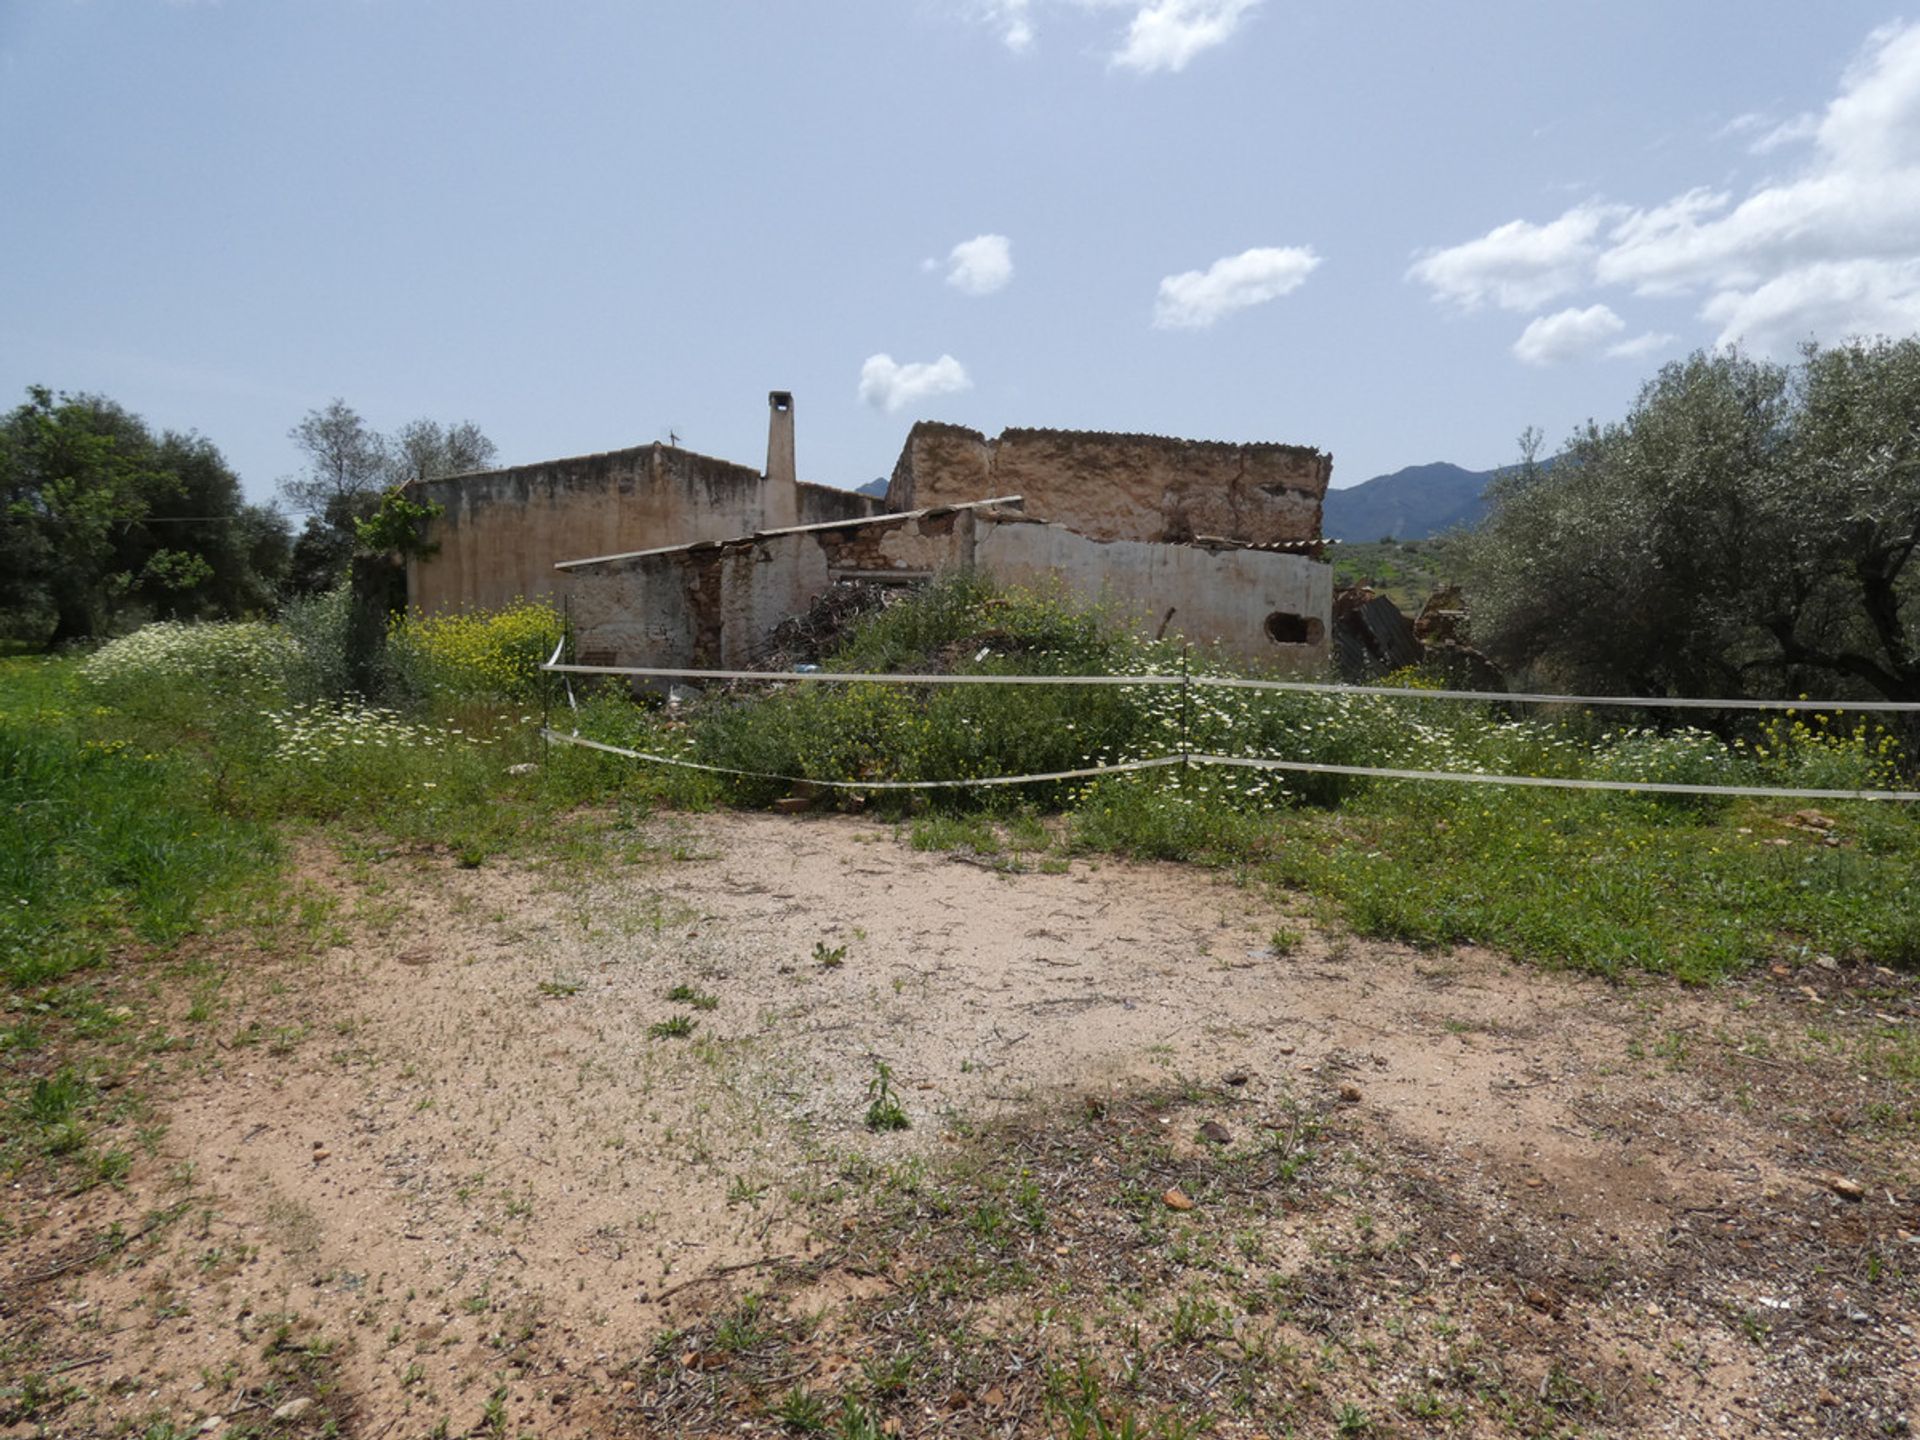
<point x="1411" y="504"/>
<point x="876" y="488"/>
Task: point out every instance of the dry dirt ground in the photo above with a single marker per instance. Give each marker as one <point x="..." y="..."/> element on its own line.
<point x="1177" y="1160"/>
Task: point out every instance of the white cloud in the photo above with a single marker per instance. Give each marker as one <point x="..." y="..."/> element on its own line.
<point x="1641" y="346"/>
<point x="1826" y="300"/>
<point x="981" y="265"/>
<point x="1160" y="35"/>
<point x="1825" y="252"/>
<point x="1567" y="335"/>
<point x="1787" y="132"/>
<point x="1167" y="34"/>
<point x="1519" y="265"/>
<point x="1014" y="20"/>
<point x="888" y="385"/>
<point x="1197" y="298"/>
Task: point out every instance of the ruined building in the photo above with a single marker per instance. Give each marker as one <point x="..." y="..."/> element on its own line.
<point x="670" y="559"/>
<point x="502" y="531"/>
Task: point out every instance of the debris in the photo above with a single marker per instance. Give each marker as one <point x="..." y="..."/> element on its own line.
<point x="1176" y="1199"/>
<point x="525" y="767"/>
<point x="799" y="640"/>
<point x="793" y="804"/>
<point x="1370" y="635"/>
<point x="1845" y="1188"/>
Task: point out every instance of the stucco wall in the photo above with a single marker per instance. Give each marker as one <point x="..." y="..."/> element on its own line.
<point x="715" y="606"/>
<point x="503" y="531"/>
<point x="1121" y="487"/>
<point x="1210" y="597"/>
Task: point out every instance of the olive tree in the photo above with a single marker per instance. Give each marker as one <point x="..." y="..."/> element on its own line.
<point x="1748" y="526"/>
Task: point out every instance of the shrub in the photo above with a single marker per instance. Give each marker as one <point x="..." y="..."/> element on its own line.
<point x="481" y="653"/>
<point x="229" y="660"/>
<point x="323" y="664"/>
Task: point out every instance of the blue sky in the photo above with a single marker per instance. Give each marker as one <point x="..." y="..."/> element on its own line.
<point x="1399" y="231"/>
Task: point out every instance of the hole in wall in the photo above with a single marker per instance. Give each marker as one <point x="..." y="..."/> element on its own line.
<point x="1286" y="628"/>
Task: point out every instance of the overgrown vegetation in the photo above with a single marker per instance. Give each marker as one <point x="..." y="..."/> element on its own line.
<point x="1748" y="528"/>
<point x="1615" y="882"/>
<point x="145" y="784"/>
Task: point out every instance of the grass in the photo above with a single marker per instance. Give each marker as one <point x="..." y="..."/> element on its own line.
<point x="884" y="1110"/>
<point x="1407" y="572"/>
<point x="1614" y="883"/>
<point x="139" y="828"/>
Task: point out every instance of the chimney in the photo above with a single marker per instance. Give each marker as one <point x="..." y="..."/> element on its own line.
<point x="780" y="438"/>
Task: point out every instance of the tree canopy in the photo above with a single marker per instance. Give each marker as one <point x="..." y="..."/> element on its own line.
<point x="1747" y="527"/>
<point x="102" y="518"/>
<point x="350" y="467"/>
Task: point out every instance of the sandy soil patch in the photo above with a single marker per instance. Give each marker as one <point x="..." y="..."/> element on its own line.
<point x="462" y="1172"/>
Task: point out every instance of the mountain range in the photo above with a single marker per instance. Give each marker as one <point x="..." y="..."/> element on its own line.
<point x="1416" y="503"/>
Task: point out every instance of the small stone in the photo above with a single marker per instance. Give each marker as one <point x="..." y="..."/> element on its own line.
<point x="994" y="1398"/>
<point x="213" y="1424"/>
<point x="1238" y="1077"/>
<point x="627" y="1387"/>
<point x="1349" y="1094"/>
<point x="1534" y="1182"/>
<point x="1176" y="1199"/>
<point x="1845" y="1188"/>
<point x="1214" y="1131"/>
<point x="525" y="767"/>
<point x="1286" y="1049"/>
<point x="793" y="804"/>
<point x="1828" y="1398"/>
<point x="294" y="1409"/>
<point x="320" y="1152"/>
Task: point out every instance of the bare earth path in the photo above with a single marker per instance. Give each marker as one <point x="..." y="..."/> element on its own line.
<point x="455" y="1169"/>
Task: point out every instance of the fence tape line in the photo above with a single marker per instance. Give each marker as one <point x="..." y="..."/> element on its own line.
<point x="1253" y="762"/>
<point x="1092" y="770"/>
<point x="1234" y="682"/>
<point x="847" y="676"/>
<point x="1634" y="702"/>
<point x="1543" y="782"/>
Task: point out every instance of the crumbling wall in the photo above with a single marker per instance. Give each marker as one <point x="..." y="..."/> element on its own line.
<point x="1122" y="487"/>
<point x="1257" y="607"/>
<point x="503" y="531"/>
<point x="716" y="606"/>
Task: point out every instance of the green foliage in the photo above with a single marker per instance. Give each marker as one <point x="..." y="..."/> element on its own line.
<point x="333" y="658"/>
<point x="884" y="1110"/>
<point x="103" y="520"/>
<point x="350" y="468"/>
<point x="397" y="526"/>
<point x="237" y="660"/>
<point x="482" y="653"/>
<point x="1407" y="572"/>
<point x="1747" y="527"/>
<point x="1609" y="881"/>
